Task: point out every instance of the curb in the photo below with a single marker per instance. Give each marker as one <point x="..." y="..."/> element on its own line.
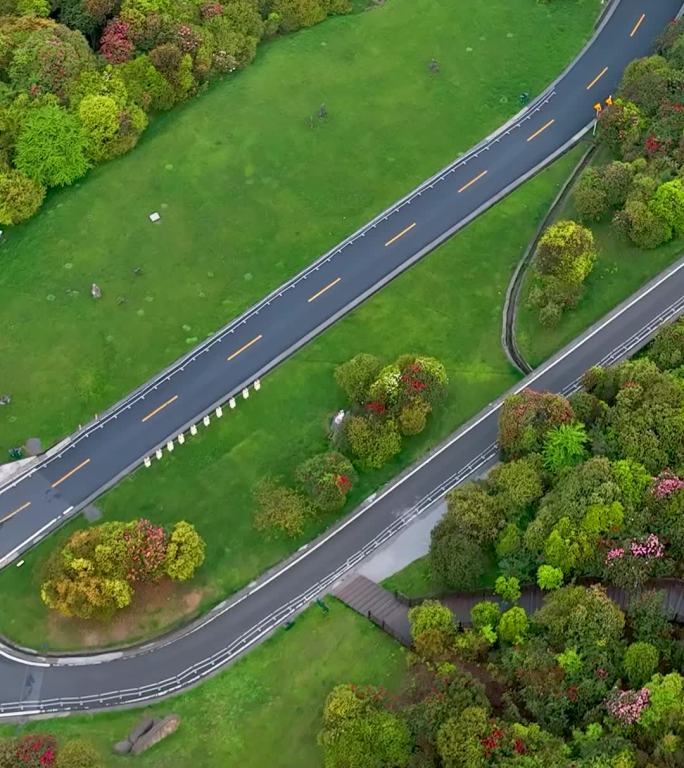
<point x="508" y="339"/>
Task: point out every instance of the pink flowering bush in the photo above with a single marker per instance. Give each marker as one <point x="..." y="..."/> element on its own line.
<point x="209" y="10"/>
<point x="630" y="565"/>
<point x="146" y="544"/>
<point x="115" y="44"/>
<point x="626" y="706"/>
<point x="36" y="750"/>
<point x="665" y="484"/>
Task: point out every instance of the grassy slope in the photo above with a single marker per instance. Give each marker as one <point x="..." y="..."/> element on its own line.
<point x="209" y="480"/>
<point x="621" y="269"/>
<point x="249" y="193"/>
<point x="263" y="711"/>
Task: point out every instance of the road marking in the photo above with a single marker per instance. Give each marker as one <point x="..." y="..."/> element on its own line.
<point x="323" y="290"/>
<point x="542" y="129"/>
<point x="401" y="234"/>
<point x="637" y="25"/>
<point x="159" y="408"/>
<point x="16" y="512"/>
<point x="70" y="473"/>
<point x="244" y="347"/>
<point x="472" y="181"/>
<point x="597" y="78"/>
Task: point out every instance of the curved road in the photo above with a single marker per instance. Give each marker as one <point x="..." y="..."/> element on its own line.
<point x="106" y="450"/>
<point x="256" y="342"/>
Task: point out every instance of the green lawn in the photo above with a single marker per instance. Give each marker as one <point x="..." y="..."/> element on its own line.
<point x="249" y="193"/>
<point x="265" y="710"/>
<point x="209" y="480"/>
<point x="448" y="306"/>
<point x="621" y="269"/>
<point x="417" y="579"/>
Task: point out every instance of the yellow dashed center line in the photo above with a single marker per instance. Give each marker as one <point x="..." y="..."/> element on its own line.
<point x="16" y="512"/>
<point x="324" y="289"/>
<point x="401" y="234"/>
<point x="244" y="347"/>
<point x="637" y="25"/>
<point x="597" y="78"/>
<point x="472" y="181"/>
<point x="542" y="129"/>
<point x="159" y="408"/>
<point x="70" y="473"/>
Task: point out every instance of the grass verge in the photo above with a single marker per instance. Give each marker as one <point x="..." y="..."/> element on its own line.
<point x="620" y="270"/>
<point x="265" y="710"/>
<point x="448" y="306"/>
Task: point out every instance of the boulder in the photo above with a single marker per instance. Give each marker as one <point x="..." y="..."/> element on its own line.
<point x="142" y="727"/>
<point x="122" y="747"/>
<point x="33" y="446"/>
<point x="160" y="730"/>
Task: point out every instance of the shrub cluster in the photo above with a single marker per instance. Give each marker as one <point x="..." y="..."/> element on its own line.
<point x="96" y="572"/>
<point x="78" y="88"/>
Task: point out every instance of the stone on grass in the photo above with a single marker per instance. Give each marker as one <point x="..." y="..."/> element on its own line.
<point x="143" y="726"/>
<point x="33" y="446"/>
<point x="92" y="513"/>
<point x="5" y="399"/>
<point x="160" y="730"/>
<point x="122" y="747"/>
<point x="95" y="291"/>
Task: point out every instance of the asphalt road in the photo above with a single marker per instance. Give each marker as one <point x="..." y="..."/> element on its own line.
<point x="265" y="335"/>
<point x="106" y="450"/>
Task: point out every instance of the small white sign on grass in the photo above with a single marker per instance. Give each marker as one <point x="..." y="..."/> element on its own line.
<point x="155" y="216"/>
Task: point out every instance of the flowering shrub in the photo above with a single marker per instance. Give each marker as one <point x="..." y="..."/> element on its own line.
<point x="630" y="565"/>
<point x="210" y="9"/>
<point x="146" y="547"/>
<point x="36" y="750"/>
<point x="627" y="706"/>
<point x="665" y="484"/>
<point x="115" y="43"/>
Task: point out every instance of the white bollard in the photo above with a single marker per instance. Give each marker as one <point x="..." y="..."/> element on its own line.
<point x="193" y="430"/>
<point x="181" y="439"/>
<point x="231" y="402"/>
<point x="257" y="385"/>
<point x="148" y="463"/>
<point x="245" y="393"/>
<point x="206" y="421"/>
<point x="219" y="412"/>
<point x="158" y="453"/>
<point x="169" y="446"/>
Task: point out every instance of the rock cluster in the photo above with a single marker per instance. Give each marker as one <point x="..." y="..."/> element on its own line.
<point x="146" y="733"/>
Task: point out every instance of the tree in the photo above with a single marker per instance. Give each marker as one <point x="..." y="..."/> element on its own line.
<point x="372" y="443"/>
<point x="508" y="588"/>
<point x="145" y="85"/>
<point x="185" y="552"/>
<point x="327" y="479"/>
<point x="485" y="614"/>
<point x="358" y="732"/>
<point x="565" y="447"/>
<point x="295" y="14"/>
<point x="51" y="147"/>
<point x="590" y="196"/>
<point x="8" y="751"/>
<point x="567" y="546"/>
<point x="640" y="663"/>
<point x="581" y="617"/>
<point x="527" y="417"/>
<point x="667" y="350"/>
<point x="476" y="514"/>
<point x="643" y="227"/>
<point x="549" y="578"/>
<point x="666" y="704"/>
<point x="456" y="561"/>
<point x="648" y="620"/>
<point x="645" y="82"/>
<point x="518" y="484"/>
<point x="99" y="116"/>
<point x="668" y="204"/>
<point x="413" y="417"/>
<point x="280" y="510"/>
<point x="459" y="739"/>
<point x="116" y="45"/>
<point x="620" y="126"/>
<point x="433" y="619"/>
<point x="78" y="754"/>
<point x="20" y="197"/>
<point x="617" y="182"/>
<point x="76" y="593"/>
<point x="513" y="625"/>
<point x="356" y="375"/>
<point x="567" y="251"/>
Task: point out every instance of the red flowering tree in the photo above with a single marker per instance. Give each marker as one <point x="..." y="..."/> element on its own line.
<point x="146" y="549"/>
<point x="36" y="750"/>
<point x="327" y="479"/>
<point x="115" y="44"/>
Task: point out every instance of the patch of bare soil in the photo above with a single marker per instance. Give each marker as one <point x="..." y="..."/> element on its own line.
<point x="156" y="608"/>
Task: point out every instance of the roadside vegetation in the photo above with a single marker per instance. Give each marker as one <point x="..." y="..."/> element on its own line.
<point x="262" y="711"/>
<point x="585" y="493"/>
<point x="631" y="199"/>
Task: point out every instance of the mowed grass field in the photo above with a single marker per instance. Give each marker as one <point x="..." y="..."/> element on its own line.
<point x="449" y="306"/>
<point x="621" y="269"/>
<point x="249" y="193"/>
<point x="266" y="709"/>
